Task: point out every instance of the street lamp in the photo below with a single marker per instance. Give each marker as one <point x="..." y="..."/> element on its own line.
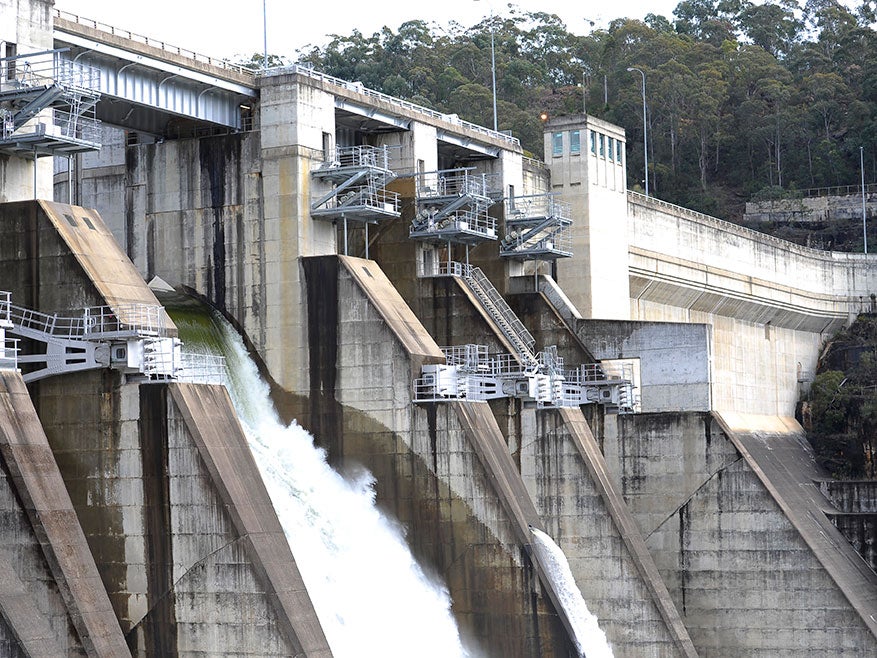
<point x="493" y="67"/>
<point x="645" y="129"/>
<point x="265" y="34"/>
<point x="864" y="225"/>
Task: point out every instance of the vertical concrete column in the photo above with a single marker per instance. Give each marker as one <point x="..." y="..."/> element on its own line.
<point x="295" y="115"/>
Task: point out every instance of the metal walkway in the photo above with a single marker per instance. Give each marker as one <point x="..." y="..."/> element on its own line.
<point x="452" y="207"/>
<point x="47" y="105"/>
<point x="152" y="87"/>
<point x="471" y="373"/>
<point x="131" y="338"/>
<point x="538" y="228"/>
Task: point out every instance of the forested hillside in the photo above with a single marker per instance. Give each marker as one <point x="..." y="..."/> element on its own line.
<point x="743" y="99"/>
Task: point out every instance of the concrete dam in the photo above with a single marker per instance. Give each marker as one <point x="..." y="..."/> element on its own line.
<point x="492" y="356"/>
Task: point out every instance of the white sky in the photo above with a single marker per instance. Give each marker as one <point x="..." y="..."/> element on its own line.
<point x="203" y="27"/>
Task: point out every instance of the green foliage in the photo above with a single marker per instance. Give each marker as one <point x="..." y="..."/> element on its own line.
<point x="842" y="402"/>
<point x="741" y="96"/>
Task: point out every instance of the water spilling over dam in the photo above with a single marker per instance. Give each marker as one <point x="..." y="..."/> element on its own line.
<point x="369" y="592"/>
<point x="590" y="639"/>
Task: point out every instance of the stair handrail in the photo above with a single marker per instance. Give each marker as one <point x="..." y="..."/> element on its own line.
<point x="503" y="311"/>
<point x="44" y="323"/>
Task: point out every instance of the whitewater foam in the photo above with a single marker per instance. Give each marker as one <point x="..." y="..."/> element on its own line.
<point x="370" y="595"/>
<point x="590" y="639"/>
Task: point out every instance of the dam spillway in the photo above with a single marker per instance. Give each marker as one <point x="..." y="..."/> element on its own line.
<point x="369" y="592"/>
<point x="659" y="512"/>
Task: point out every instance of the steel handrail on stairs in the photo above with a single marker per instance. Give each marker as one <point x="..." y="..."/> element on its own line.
<point x="502" y="314"/>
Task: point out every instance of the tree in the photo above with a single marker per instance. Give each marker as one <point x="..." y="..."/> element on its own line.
<point x="774" y="27"/>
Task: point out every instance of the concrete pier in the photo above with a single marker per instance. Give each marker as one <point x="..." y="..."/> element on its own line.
<point x="60" y="559"/>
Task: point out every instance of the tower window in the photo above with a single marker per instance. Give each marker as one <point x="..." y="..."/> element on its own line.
<point x="557" y="144"/>
<point x="575" y="142"/>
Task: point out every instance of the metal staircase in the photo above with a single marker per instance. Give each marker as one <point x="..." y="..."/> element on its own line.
<point x="496" y="307"/>
<point x="358" y="175"/>
<point x="131" y="338"/>
<point x="452" y="207"/>
<point x="538" y="228"/>
<point x="33" y="83"/>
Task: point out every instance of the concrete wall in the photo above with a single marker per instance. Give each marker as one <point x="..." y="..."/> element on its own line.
<point x="670" y="244"/>
<point x="580" y="510"/>
<point x="176" y="570"/>
<point x="427" y="472"/>
<point x="227" y="553"/>
<point x="813" y="209"/>
<point x="675" y="359"/>
<point x="742" y="577"/>
<point x="53" y="601"/>
<point x="767" y="325"/>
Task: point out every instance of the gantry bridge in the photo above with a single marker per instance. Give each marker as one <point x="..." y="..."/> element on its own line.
<point x="149" y="86"/>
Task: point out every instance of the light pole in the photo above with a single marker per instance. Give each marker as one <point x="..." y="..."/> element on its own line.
<point x="864" y="225"/>
<point x="265" y="34"/>
<point x="585" y="77"/>
<point x="645" y="128"/>
<point x="493" y="68"/>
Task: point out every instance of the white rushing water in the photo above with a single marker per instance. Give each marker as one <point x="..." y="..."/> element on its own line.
<point x="590" y="639"/>
<point x="370" y="595"/>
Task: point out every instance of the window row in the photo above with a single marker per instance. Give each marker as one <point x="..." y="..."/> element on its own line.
<point x="601" y="145"/>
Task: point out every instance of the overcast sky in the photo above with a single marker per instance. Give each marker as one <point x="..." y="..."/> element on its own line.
<point x="205" y="28"/>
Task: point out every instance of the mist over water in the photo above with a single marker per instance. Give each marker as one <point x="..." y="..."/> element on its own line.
<point x="370" y="595"/>
<point x="590" y="639"/>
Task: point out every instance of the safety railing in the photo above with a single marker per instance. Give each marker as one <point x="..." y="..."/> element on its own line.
<point x="52" y="325"/>
<point x="127" y="319"/>
<point x="463" y="220"/>
<point x="46" y="69"/>
<point x="536" y="206"/>
<point x="452" y="182"/>
<point x="9" y="354"/>
<point x="155" y="43"/>
<point x="62" y="124"/>
<point x="549" y="236"/>
<point x="838" y="190"/>
<point x="369" y="196"/>
<point x="358" y="87"/>
<point x="360" y="156"/>
<point x="499" y="309"/>
<point x="5" y="306"/>
<point x="453" y="268"/>
<point x="471" y="357"/>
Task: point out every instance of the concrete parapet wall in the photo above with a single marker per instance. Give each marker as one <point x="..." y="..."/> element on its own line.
<point x="671" y="232"/>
